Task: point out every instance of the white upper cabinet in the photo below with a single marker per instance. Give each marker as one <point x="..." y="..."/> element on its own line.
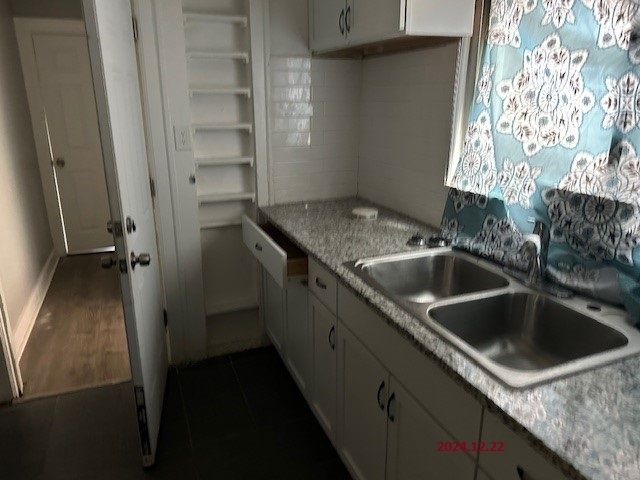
<point x="347" y="24"/>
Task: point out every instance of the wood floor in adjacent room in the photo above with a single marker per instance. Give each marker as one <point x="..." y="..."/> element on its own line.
<point x="79" y="338"/>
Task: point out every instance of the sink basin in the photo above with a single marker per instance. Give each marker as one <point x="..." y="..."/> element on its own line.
<point x="425" y="278"/>
<point x="527" y="331"/>
<point x="520" y="335"/>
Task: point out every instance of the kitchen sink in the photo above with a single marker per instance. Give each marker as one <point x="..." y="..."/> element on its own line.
<point x="527" y="331"/>
<point x="520" y="335"/>
<point x="429" y="276"/>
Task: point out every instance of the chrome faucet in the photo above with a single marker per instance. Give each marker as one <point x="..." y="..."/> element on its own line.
<point x="536" y="247"/>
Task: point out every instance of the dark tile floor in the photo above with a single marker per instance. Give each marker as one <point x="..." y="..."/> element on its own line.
<point x="234" y="417"/>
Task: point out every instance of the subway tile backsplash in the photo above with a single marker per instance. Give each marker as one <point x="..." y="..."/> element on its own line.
<point x="378" y="128"/>
<point x="314" y="114"/>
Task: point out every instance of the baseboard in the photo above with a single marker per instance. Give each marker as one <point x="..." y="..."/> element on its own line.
<point x="32" y="308"/>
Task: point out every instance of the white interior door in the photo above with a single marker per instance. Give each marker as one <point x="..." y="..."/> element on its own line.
<point x="115" y="74"/>
<point x="66" y="88"/>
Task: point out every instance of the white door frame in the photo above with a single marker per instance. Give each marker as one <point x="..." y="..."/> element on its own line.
<point x="25" y="29"/>
<point x="11" y="361"/>
<point x="179" y="235"/>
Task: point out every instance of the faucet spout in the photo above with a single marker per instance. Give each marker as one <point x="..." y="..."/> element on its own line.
<point x="536" y="247"/>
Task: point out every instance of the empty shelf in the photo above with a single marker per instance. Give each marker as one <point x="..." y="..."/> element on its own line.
<point x="218" y="90"/>
<point x="194" y="17"/>
<point x="225" y="197"/>
<point x="220" y="224"/>
<point x="218" y="55"/>
<point x="204" y="161"/>
<point x="222" y="126"/>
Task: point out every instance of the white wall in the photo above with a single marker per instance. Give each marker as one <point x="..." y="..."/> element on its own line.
<point x="405" y="127"/>
<point x="313" y="109"/>
<point x="25" y="239"/>
<point x="47" y="8"/>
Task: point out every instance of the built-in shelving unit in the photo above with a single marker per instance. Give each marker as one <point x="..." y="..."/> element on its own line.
<point x="218" y="62"/>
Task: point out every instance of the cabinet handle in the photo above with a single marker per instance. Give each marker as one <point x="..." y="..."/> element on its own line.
<point x="347" y="19"/>
<point x="341" y="22"/>
<point x="522" y="475"/>
<point x="392" y="400"/>
<point x="332" y="337"/>
<point x="258" y="247"/>
<point x="320" y="284"/>
<point x="379" y="396"/>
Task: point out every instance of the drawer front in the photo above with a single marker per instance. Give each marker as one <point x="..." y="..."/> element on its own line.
<point x="270" y="255"/>
<point x="323" y="285"/>
<point x="518" y="460"/>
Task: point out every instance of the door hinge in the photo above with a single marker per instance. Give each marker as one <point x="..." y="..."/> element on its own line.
<point x="152" y="187"/>
<point x="141" y="408"/>
<point x="134" y="24"/>
<point x="165" y="318"/>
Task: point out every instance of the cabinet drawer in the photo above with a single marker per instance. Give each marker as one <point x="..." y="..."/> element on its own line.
<point x="518" y="460"/>
<point x="323" y="285"/>
<point x="275" y="252"/>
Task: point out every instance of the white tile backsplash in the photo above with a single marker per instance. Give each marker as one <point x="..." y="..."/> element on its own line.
<point x="404" y="130"/>
<point x="314" y="108"/>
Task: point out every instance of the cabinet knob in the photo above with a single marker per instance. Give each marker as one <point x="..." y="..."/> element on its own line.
<point x="332" y="337"/>
<point x="320" y="284"/>
<point x="341" y="22"/>
<point x="390" y="405"/>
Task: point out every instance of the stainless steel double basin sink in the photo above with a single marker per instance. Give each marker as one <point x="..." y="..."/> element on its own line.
<point x="521" y="336"/>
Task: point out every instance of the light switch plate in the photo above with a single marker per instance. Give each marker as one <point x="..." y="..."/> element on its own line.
<point x="182" y="136"/>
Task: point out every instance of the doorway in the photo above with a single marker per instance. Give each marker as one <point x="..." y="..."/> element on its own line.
<point x="57" y="72"/>
<point x="74" y="337"/>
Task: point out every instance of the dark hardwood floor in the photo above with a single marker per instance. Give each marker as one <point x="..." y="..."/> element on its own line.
<point x="235" y="417"/>
<point x="79" y="338"/>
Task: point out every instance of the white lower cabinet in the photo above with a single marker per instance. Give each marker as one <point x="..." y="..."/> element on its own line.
<point x="273" y="305"/>
<point x="324" y="341"/>
<point x="413" y="438"/>
<point x="516" y="459"/>
<point x="298" y="334"/>
<point x="362" y="420"/>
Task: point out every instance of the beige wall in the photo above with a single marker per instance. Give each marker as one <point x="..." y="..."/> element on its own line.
<point x="405" y="127"/>
<point x="25" y="239"/>
<point x="47" y="8"/>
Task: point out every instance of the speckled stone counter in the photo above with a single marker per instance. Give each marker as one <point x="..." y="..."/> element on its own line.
<point x="588" y="424"/>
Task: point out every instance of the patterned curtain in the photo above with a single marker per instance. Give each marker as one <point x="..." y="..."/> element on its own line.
<point x="554" y="134"/>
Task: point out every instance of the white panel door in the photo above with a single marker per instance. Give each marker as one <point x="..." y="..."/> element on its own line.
<point x="115" y="74"/>
<point x="324" y="335"/>
<point x="363" y="384"/>
<point x="66" y="87"/>
<point x="412" y="443"/>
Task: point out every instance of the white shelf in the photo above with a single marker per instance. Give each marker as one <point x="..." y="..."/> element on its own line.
<point x="220" y="224"/>
<point x="225" y="197"/>
<point x="207" y="161"/>
<point x="222" y="126"/>
<point x="195" y="17"/>
<point x="218" y="90"/>
<point x="218" y="55"/>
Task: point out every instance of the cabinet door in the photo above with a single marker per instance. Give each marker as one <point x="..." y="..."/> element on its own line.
<point x="323" y="398"/>
<point x="413" y="440"/>
<point x="328" y="24"/>
<point x="373" y="20"/>
<point x="273" y="303"/>
<point x="362" y="421"/>
<point x="298" y="337"/>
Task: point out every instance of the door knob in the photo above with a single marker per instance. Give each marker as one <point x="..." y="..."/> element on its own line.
<point x="60" y="162"/>
<point x="143" y="259"/>
<point x="108" y="262"/>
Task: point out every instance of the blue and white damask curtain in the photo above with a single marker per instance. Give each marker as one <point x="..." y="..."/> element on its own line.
<point x="554" y="134"/>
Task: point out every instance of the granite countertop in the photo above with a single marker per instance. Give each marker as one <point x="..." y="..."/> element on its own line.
<point x="588" y="424"/>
